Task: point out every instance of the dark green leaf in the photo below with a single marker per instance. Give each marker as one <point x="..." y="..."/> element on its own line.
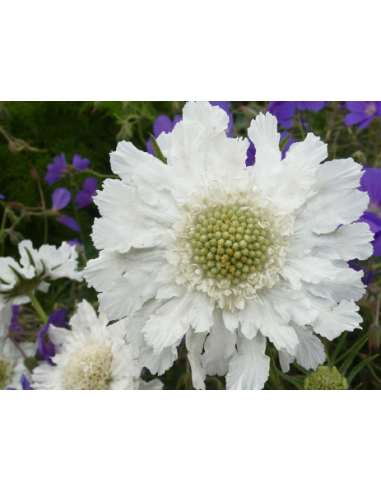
<point x="156" y="149"/>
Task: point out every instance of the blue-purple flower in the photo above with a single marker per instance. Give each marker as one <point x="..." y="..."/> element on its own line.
<point x="284" y="112"/>
<point x="371" y="183"/>
<point x="2" y="197"/>
<point x="46" y="348"/>
<point x="58" y="168"/>
<point x="61" y="197"/>
<point x="75" y="242"/>
<point x="14" y="326"/>
<point x="362" y="112"/>
<point x="85" y="196"/>
<point x="311" y="105"/>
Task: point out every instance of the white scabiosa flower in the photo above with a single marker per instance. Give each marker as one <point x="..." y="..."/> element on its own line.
<point x="12" y="365"/>
<point x="230" y="256"/>
<point x="36" y="267"/>
<point x="91" y="356"/>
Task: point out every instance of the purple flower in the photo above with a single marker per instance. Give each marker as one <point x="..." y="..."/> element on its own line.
<point x="85" y="196"/>
<point x="284" y="112"/>
<point x="46" y="348"/>
<point x="251" y="151"/>
<point x="311" y="105"/>
<point x="362" y="112"/>
<point x="371" y="183"/>
<point x="79" y="163"/>
<point x="2" y="197"/>
<point x="25" y="384"/>
<point x="226" y="107"/>
<point x="162" y="124"/>
<point x="61" y="197"/>
<point x="75" y="242"/>
<point x="56" y="170"/>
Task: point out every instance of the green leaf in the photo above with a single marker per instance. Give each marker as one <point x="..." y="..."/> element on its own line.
<point x="344" y="367"/>
<point x="296" y="382"/>
<point x="360" y="366"/>
<point x="30" y="257"/>
<point x="338" y="348"/>
<point x="301" y="369"/>
<point x="283" y="143"/>
<point x="156" y="149"/>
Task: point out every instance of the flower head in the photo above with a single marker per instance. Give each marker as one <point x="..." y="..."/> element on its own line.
<point x="79" y="163"/>
<point x="84" y="197"/>
<point x="325" y="378"/>
<point x="284" y="112"/>
<point x="362" y="113"/>
<point x="228" y="255"/>
<point x="91" y="356"/>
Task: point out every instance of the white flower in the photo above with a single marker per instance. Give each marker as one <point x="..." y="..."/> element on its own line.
<point x="227" y="255"/>
<point x="91" y="356"/>
<point x="12" y="363"/>
<point x="35" y="268"/>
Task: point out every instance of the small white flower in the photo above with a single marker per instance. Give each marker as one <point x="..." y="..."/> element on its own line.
<point x="12" y="363"/>
<point x="227" y="255"/>
<point x="32" y="273"/>
<point x="91" y="356"/>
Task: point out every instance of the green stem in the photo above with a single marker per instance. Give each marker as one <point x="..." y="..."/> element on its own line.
<point x="38" y="307"/>
<point x="3" y="221"/>
<point x="99" y="175"/>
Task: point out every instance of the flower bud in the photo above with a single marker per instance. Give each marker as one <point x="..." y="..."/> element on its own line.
<point x="325" y="378"/>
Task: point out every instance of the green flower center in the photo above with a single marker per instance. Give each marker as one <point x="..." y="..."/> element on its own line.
<point x="4" y="376"/>
<point x="325" y="378"/>
<point x="231" y="243"/>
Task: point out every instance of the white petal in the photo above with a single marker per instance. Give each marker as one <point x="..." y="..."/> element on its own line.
<point x="309" y="269"/>
<point x="195" y="342"/>
<point x="292" y="305"/>
<point x="219" y="347"/>
<point x="169" y="324"/>
<point x="127" y="158"/>
<point x="213" y="118"/>
<point x="231" y="320"/>
<point x="334" y="318"/>
<point x="285" y="359"/>
<point x="127" y="221"/>
<point x="157" y="363"/>
<point x="155" y="384"/>
<point x="310" y="350"/>
<point x="249" y="367"/>
<point x="339" y="174"/>
<point x="135" y="284"/>
<point x="263" y="132"/>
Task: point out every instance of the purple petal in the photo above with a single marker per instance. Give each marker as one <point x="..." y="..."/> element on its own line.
<point x="46" y="348"/>
<point x="75" y="242"/>
<point x="291" y="140"/>
<point x="162" y="124"/>
<point x="284" y="112"/>
<point x="2" y="197"/>
<point x="371" y="183"/>
<point x="176" y="120"/>
<point x="59" y="318"/>
<point x="90" y="185"/>
<point x="25" y="384"/>
<point x="354" y="118"/>
<point x="69" y="222"/>
<point x="56" y="170"/>
<point x="83" y="199"/>
<point x="149" y="147"/>
<point x="372" y="220"/>
<point x="80" y="163"/>
<point x="357" y="106"/>
<point x="311" y="105"/>
<point x="365" y="123"/>
<point x="377" y="245"/>
<point x="250" y="155"/>
<point x="61" y="197"/>
<point x="14" y="326"/>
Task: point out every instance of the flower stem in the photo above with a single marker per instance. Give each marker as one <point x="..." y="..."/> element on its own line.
<point x="38" y="307"/>
<point x="99" y="175"/>
<point x="3" y="221"/>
